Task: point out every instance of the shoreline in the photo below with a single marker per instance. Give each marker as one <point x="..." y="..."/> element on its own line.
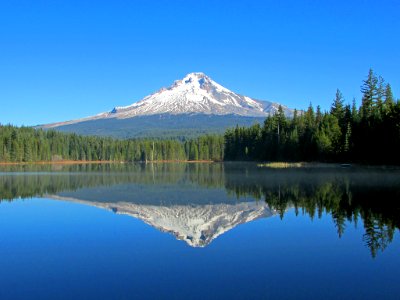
<point x="266" y="165"/>
<point x="311" y="165"/>
<point x="86" y="162"/>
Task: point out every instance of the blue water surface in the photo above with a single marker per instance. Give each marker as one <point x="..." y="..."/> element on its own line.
<point x="51" y="249"/>
<point x="199" y="231"/>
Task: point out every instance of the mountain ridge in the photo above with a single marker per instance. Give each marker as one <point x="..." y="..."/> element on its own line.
<point x="194" y="96"/>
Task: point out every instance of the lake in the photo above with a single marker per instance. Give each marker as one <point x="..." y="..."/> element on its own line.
<point x="199" y="231"/>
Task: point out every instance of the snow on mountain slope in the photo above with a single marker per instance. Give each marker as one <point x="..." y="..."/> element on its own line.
<point x="196" y="93"/>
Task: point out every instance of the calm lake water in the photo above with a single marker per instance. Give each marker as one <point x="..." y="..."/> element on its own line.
<point x="198" y="231"/>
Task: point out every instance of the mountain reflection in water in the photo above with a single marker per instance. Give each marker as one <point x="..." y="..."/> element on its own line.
<point x="199" y="202"/>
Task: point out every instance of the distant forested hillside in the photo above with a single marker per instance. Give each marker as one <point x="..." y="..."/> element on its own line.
<point x="163" y="126"/>
<point x="26" y="144"/>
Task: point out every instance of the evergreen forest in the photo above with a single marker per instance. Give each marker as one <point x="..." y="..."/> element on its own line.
<point x="347" y="133"/>
<point x="26" y="144"/>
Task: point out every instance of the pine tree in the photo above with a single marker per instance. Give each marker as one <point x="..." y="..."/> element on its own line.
<point x="354" y="111"/>
<point x="389" y="99"/>
<point x="346" y="147"/>
<point x="380" y="94"/>
<point x="318" y="116"/>
<point x="337" y="108"/>
<point x="369" y="90"/>
<point x="310" y="116"/>
<point x="194" y="152"/>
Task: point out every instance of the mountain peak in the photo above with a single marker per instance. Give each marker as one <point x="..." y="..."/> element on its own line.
<point x="192" y="78"/>
<point x="195" y="94"/>
<point x="197" y="75"/>
<point x="197" y="79"/>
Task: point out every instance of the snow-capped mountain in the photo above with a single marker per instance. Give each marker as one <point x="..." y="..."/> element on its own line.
<point x="196" y="93"/>
<point x="195" y="96"/>
<point x="197" y="225"/>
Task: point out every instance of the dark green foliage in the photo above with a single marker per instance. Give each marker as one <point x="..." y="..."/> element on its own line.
<point x="389" y="100"/>
<point x="370" y="134"/>
<point x="30" y="145"/>
<point x="337" y="108"/>
<point x="370" y="92"/>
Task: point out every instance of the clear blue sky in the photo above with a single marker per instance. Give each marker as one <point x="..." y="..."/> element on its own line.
<point x="62" y="60"/>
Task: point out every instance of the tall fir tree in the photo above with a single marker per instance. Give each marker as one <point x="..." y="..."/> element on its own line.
<point x="337" y="108"/>
<point x="389" y="99"/>
<point x="369" y="91"/>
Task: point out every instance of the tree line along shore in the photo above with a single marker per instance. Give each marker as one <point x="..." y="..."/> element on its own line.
<point x="368" y="134"/>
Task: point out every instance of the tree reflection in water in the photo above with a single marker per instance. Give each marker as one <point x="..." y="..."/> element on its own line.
<point x="348" y="195"/>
